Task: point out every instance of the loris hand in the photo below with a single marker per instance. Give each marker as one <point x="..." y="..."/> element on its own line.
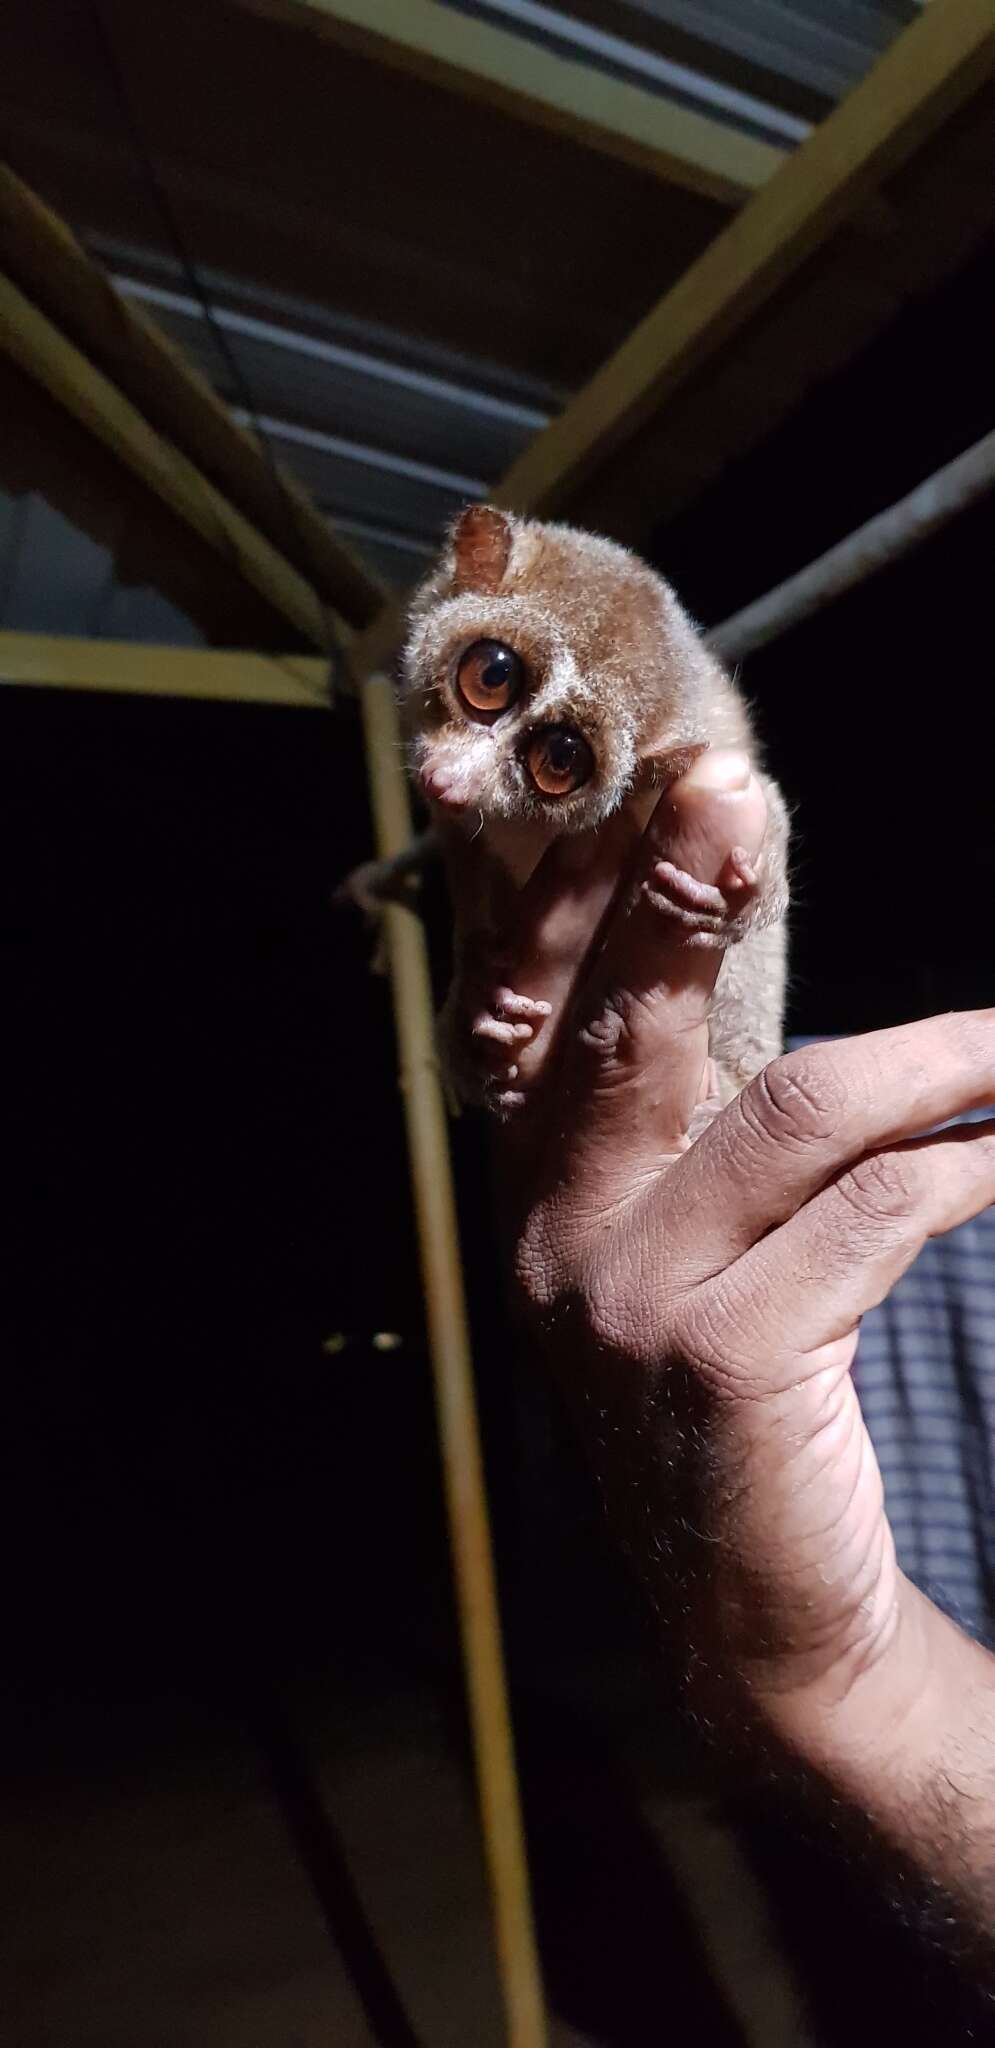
<point x="697" y="1278"/>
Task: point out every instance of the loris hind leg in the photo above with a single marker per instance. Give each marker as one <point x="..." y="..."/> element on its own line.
<point x="746" y="1025"/>
<point x="746" y="1021"/>
<point x="748" y="895"/>
<point x="744" y="916"/>
<point x="480" y="1030"/>
<point x="394" y="879"/>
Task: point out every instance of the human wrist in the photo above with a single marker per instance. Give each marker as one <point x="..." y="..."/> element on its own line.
<point x="900" y="1756"/>
<point x="875" y="1721"/>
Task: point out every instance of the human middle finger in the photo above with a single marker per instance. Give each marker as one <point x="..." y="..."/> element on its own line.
<point x="806" y="1285"/>
<point x="810" y="1115"/>
<point x="637" y="1060"/>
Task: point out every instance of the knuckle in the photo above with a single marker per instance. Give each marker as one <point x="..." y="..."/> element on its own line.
<point x="886" y="1187"/>
<point x="798" y="1099"/>
<point x="613" y="1036"/>
<point x="599" y="1037"/>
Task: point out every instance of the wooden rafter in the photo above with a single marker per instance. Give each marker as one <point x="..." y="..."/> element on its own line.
<point x="929" y="72"/>
<point x="43" y="259"/>
<point x="459" y="1433"/>
<point x="504" y="70"/>
<point x="40" y="350"/>
<point x="56" y="661"/>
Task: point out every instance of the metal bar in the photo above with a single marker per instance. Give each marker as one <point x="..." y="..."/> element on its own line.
<point x="873" y="546"/>
<point x="449" y="1342"/>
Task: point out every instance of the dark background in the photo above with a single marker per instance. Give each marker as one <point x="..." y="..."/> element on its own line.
<point x="205" y="1175"/>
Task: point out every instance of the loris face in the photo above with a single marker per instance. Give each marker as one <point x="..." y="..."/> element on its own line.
<point x="540" y="667"/>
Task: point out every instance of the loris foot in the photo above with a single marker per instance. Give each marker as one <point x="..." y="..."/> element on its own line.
<point x="480" y="1036"/>
<point x="510" y="1022"/>
<point x="711" y="914"/>
<point x="511" y="1019"/>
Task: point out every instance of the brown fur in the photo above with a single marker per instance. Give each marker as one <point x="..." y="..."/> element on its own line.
<point x="609" y="651"/>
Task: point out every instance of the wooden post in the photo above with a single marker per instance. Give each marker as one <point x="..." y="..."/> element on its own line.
<point x="449" y="1342"/>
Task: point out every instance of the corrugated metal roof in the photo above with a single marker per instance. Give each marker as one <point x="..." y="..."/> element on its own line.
<point x="825" y="45"/>
<point x="828" y="45"/>
<point x="392" y="432"/>
<point x="390" y="435"/>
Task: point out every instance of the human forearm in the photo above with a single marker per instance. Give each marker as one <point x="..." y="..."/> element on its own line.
<point x="897" y="1758"/>
<point x="697" y="1278"/>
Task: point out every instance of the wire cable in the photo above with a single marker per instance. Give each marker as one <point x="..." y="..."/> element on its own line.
<point x="176" y="239"/>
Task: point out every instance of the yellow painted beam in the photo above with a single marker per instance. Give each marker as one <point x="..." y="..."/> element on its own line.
<point x="50" y="661"/>
<point x="928" y="72"/>
<point x="37" y="347"/>
<point x="931" y="69"/>
<point x="507" y="71"/>
<point x="42" y="257"/>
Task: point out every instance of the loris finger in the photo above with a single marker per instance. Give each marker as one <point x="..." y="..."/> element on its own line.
<point x="712" y="913"/>
<point x="739" y="872"/>
<point x="684" y="891"/>
<point x="508" y="1004"/>
<point x="500" y="1030"/>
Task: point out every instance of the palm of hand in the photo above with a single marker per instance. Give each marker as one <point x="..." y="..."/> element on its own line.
<point x="698" y="1274"/>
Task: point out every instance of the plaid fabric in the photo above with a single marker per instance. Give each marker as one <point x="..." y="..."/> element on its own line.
<point x="925" y="1373"/>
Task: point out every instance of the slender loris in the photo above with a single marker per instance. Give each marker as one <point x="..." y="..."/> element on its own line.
<point x="548" y="678"/>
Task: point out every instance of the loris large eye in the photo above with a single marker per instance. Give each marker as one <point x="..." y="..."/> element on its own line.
<point x="559" y="760"/>
<point x="490" y="676"/>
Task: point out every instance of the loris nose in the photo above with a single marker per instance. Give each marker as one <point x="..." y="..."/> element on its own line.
<point x="441" y="788"/>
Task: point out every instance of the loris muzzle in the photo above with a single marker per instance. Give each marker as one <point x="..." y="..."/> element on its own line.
<point x="548" y="678"/>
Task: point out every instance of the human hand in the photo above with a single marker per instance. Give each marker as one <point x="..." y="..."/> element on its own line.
<point x="697" y="1274"/>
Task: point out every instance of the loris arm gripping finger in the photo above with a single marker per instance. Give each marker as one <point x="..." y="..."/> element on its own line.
<point x="392" y="880"/>
<point x="550" y="679"/>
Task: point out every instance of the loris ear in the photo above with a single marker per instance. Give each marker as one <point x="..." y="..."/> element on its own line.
<point x="482" y="539"/>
